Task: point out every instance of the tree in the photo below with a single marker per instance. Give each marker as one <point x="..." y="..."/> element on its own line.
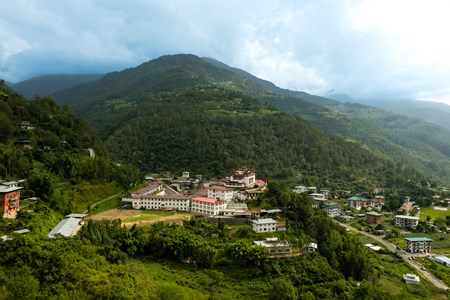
<point x="282" y="289"/>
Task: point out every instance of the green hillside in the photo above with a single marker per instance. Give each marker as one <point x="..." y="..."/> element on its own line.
<point x="50" y="84"/>
<point x="48" y="147"/>
<point x="109" y="103"/>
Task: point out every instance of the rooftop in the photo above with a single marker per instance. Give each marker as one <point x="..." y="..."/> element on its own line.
<point x="264" y="221"/>
<point x="407" y="217"/>
<point x="66" y="227"/>
<point x="207" y="200"/>
<point x="373" y="213"/>
<point x="418" y="239"/>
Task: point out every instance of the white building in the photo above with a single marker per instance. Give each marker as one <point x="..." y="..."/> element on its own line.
<point x="246" y="176"/>
<point x="411" y="278"/>
<point x="264" y="225"/>
<point x="275" y="247"/>
<point x="406" y="221"/>
<point x="220" y="192"/>
<point x="332" y="209"/>
<point x="207" y="206"/>
<point x="159" y="202"/>
<point x="319" y="199"/>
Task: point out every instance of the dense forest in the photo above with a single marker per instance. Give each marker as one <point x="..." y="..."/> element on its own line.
<point x="47" y="146"/>
<point x="412" y="143"/>
<point x="108" y="261"/>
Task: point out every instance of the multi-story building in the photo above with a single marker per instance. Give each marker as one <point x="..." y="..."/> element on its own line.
<point x="10" y="199"/>
<point x="264" y="225"/>
<point x="242" y="178"/>
<point x="319" y="199"/>
<point x="373" y="217"/>
<point x="418" y="245"/>
<point x="220" y="192"/>
<point x="207" y="206"/>
<point x="159" y="202"/>
<point x="406" y="221"/>
<point x="332" y="209"/>
<point x="356" y="202"/>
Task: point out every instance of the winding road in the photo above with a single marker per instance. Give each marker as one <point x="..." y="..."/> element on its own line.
<point x="433" y="279"/>
<point x="106" y="199"/>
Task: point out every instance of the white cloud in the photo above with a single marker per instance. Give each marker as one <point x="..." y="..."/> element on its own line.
<point x="364" y="48"/>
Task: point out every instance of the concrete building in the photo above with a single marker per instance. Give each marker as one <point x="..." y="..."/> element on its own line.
<point x="332" y="209"/>
<point x="411" y="278"/>
<point x="220" y="192"/>
<point x="406" y="221"/>
<point x="207" y="206"/>
<point x="264" y="225"/>
<point x="158" y="202"/>
<point x="418" y="245"/>
<point x="373" y="217"/>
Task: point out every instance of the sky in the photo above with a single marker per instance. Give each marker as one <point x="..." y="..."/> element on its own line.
<point x="366" y="49"/>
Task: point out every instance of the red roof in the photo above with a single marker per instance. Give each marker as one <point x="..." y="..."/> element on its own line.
<point x="207" y="200"/>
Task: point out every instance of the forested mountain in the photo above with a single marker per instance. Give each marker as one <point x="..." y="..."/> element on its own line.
<point x="48" y="147"/>
<point x="114" y="100"/>
<point x="433" y="112"/>
<point x="50" y="84"/>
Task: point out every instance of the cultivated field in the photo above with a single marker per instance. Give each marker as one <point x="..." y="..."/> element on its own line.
<point x="130" y="217"/>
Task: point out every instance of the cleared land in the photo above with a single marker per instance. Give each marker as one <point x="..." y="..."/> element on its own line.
<point x="130" y="217"/>
<point x="433" y="213"/>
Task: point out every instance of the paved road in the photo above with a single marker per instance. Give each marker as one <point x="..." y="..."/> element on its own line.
<point x="106" y="199"/>
<point x="433" y="279"/>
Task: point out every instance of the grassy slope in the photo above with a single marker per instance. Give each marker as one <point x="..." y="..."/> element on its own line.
<point x="434" y="214"/>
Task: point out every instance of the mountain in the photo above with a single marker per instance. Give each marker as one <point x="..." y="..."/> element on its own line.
<point x="52" y="149"/>
<point x="433" y="112"/>
<point x="182" y="113"/>
<point x="50" y="84"/>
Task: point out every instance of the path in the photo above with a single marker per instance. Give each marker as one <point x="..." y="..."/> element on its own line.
<point x="433" y="279"/>
<point x="101" y="201"/>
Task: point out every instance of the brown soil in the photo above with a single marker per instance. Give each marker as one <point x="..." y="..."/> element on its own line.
<point x="124" y="214"/>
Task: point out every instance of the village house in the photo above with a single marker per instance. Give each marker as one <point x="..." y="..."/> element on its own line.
<point x="319" y="199"/>
<point x="332" y="209"/>
<point x="264" y="225"/>
<point x="311" y="247"/>
<point x="241" y="178"/>
<point x="207" y="206"/>
<point x="220" y="192"/>
<point x="356" y="202"/>
<point x="26" y="125"/>
<point x="406" y="221"/>
<point x="10" y="199"/>
<point x="373" y="217"/>
<point x="275" y="247"/>
<point x="376" y="203"/>
<point x="418" y="245"/>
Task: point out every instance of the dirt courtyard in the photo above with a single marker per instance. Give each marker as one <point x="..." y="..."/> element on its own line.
<point x="129" y="217"/>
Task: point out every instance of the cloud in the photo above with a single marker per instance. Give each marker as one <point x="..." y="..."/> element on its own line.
<point x="364" y="48"/>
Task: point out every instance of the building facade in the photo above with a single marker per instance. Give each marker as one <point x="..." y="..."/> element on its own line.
<point x="373" y="217"/>
<point x="406" y="221"/>
<point x="264" y="225"/>
<point x="10" y="199"/>
<point x="418" y="245"/>
<point x="220" y="192"/>
<point x="207" y="206"/>
<point x="159" y="202"/>
<point x="275" y="247"/>
<point x="332" y="209"/>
